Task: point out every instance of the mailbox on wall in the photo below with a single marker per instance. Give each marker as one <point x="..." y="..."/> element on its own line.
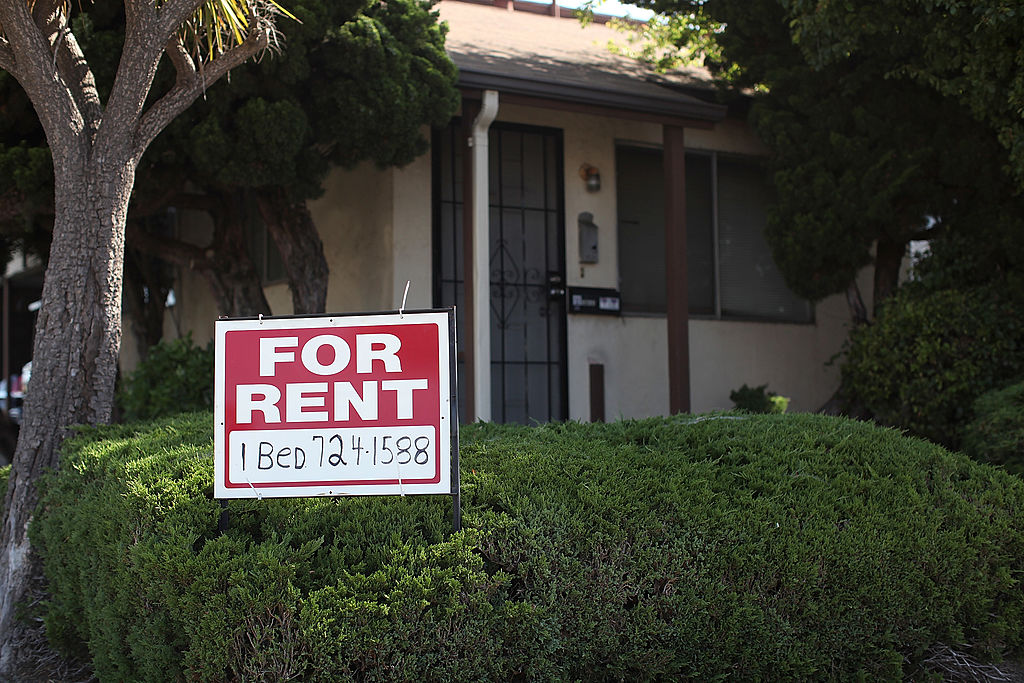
<point x="588" y="237"/>
<point x="595" y="300"/>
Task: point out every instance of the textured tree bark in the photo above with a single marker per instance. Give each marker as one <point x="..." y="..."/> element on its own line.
<point x="77" y="339"/>
<point x="293" y="231"/>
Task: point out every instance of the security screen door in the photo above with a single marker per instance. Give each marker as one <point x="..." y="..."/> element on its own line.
<point x="527" y="266"/>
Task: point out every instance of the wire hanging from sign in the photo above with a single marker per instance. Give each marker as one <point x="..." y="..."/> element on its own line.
<point x="404" y="297"/>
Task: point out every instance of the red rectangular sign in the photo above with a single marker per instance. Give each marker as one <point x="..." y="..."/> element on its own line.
<point x="334" y="405"/>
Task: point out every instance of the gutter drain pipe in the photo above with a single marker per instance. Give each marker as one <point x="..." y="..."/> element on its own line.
<point x="481" y="258"/>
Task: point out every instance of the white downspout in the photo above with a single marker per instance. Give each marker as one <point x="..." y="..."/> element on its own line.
<point x="482" y="258"/>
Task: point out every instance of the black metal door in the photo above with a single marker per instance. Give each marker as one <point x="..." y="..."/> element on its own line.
<point x="527" y="266"/>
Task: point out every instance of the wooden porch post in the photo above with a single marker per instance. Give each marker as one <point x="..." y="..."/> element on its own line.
<point x="676" y="295"/>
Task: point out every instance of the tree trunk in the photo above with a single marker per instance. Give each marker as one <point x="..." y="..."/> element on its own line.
<point x="858" y="311"/>
<point x="293" y="231"/>
<point x="888" y="261"/>
<point x="77" y="339"/>
<point x="233" y="277"/>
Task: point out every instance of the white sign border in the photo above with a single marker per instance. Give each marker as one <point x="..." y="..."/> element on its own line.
<point x="443" y="318"/>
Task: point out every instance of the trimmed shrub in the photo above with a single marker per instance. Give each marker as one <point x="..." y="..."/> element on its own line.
<point x="929" y="355"/>
<point x="996" y="434"/>
<point x="744" y="547"/>
<point x="176" y="377"/>
<point x="756" y="400"/>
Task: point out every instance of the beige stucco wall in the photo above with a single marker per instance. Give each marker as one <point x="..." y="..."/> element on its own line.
<point x="355" y="223"/>
<point x="413" y="242"/>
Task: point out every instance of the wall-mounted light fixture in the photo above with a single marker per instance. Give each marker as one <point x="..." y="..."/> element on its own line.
<point x="591" y="176"/>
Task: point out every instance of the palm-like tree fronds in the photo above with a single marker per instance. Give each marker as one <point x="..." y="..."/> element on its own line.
<point x="218" y="25"/>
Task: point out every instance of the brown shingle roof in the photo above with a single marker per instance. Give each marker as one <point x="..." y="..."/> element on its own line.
<point x="531" y="54"/>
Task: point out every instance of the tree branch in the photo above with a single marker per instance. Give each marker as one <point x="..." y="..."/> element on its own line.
<point x="143" y="47"/>
<point x="133" y="9"/>
<point x="78" y="76"/>
<point x="172" y="250"/>
<point x="858" y="311"/>
<point x="187" y="89"/>
<point x="184" y="67"/>
<point x="43" y="10"/>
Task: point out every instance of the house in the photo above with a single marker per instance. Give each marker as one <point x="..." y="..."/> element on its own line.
<point x="700" y="313"/>
<point x="598" y="227"/>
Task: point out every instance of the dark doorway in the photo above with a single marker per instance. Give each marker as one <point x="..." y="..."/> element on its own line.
<point x="527" y="265"/>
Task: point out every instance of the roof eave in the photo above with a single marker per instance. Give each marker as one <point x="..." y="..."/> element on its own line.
<point x="679" y="107"/>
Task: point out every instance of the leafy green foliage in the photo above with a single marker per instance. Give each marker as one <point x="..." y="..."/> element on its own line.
<point x="258" y="145"/>
<point x="930" y="354"/>
<point x="746" y="547"/>
<point x="852" y="168"/>
<point x="756" y="400"/>
<point x="863" y="151"/>
<point x="28" y="168"/>
<point x="175" y="377"/>
<point x="992" y="256"/>
<point x="968" y="51"/>
<point x="26" y="174"/>
<point x="357" y="81"/>
<point x="996" y="433"/>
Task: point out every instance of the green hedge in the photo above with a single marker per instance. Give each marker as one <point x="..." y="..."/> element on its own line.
<point x="996" y="434"/>
<point x="757" y="400"/>
<point x="930" y="354"/>
<point x="175" y="377"/>
<point x="743" y="547"/>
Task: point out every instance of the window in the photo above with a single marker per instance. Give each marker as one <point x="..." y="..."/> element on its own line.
<point x="731" y="274"/>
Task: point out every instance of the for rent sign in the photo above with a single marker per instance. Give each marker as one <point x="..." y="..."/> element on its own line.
<point x="334" y="405"/>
